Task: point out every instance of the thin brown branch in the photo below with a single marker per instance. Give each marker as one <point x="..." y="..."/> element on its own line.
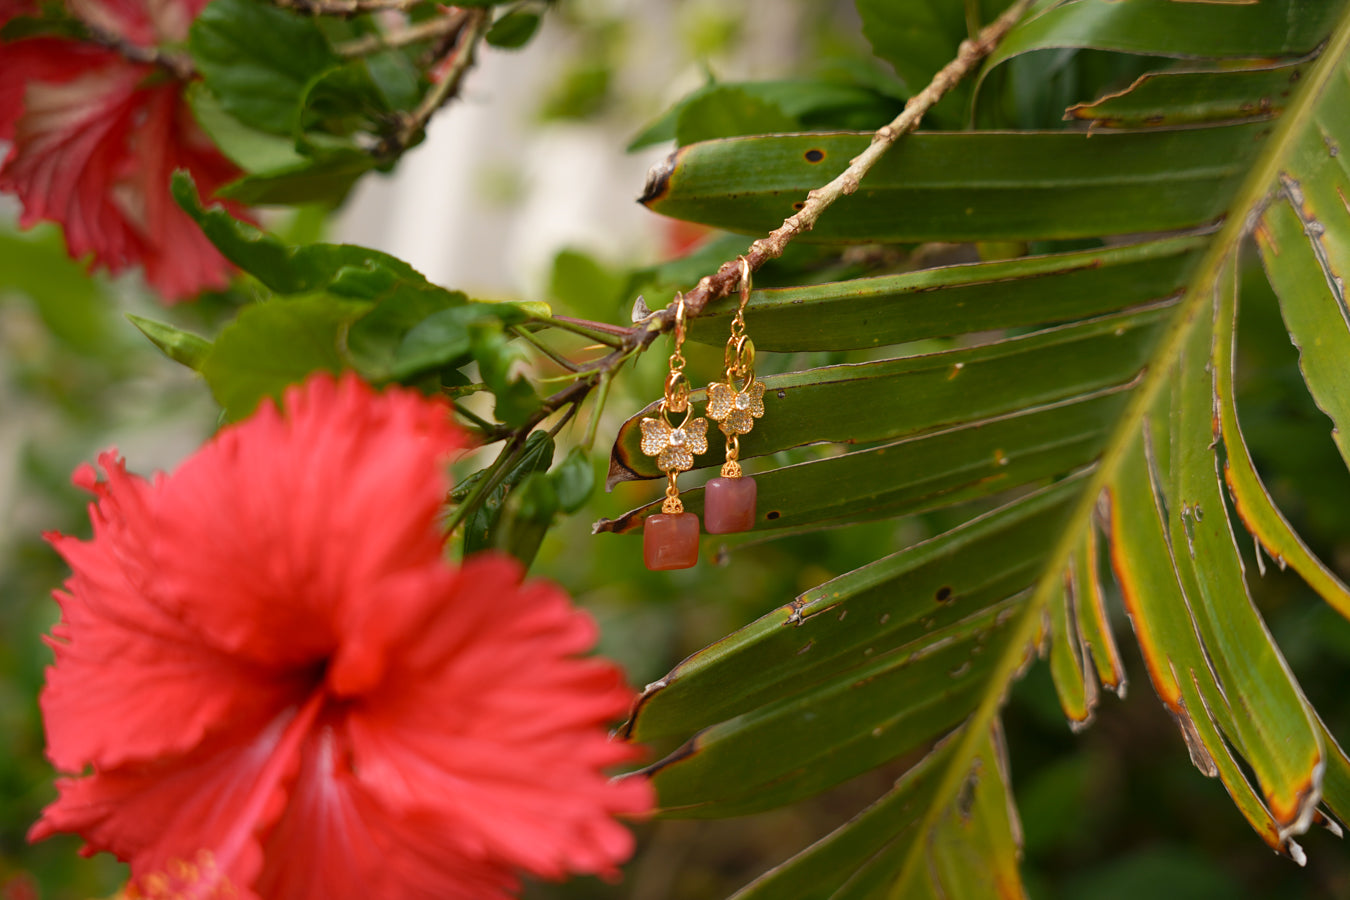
<point x="439" y="27"/>
<point x="411" y="125"/>
<point x="346" y="8"/>
<point x="727" y="277"/>
<point x="177" y="64"/>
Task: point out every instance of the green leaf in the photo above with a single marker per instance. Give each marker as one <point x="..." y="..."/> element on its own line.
<point x="178" y="345"/>
<point x="971" y="186"/>
<point x="581" y="285"/>
<point x="918" y="37"/>
<point x="375" y="342"/>
<point x="915" y="394"/>
<point x="341" y="269"/>
<point x="445" y="338"/>
<point x="574" y="480"/>
<point x="1184" y="97"/>
<point x="513" y="30"/>
<point x="1168" y="28"/>
<point x="728" y="112"/>
<point x="973" y="852"/>
<point x="973" y="460"/>
<point x="894" y="309"/>
<point x="502" y="365"/>
<point x="526" y="517"/>
<point x="275" y="344"/>
<point x="258" y="60"/>
<point x="480" y="528"/>
<point x="919" y="649"/>
<point x="817" y="104"/>
<point x="251" y="149"/>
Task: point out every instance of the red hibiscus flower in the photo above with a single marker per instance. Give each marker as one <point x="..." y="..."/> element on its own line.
<point x="280" y="688"/>
<point x="96" y="136"/>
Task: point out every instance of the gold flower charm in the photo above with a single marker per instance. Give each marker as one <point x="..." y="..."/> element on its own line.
<point x="735" y="411"/>
<point x="674" y="448"/>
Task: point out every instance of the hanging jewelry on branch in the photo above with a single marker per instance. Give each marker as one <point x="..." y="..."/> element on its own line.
<point x="670" y="538"/>
<point x="729" y="501"/>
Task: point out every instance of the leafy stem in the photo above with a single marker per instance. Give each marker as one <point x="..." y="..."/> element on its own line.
<point x="461" y="56"/>
<point x="439" y="27"/>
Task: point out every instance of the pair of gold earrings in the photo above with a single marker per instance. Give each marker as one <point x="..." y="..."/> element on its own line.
<point x="670" y="538"/>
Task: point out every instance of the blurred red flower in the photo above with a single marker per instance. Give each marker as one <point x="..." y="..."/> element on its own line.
<point x="283" y="689"/>
<point x="96" y="131"/>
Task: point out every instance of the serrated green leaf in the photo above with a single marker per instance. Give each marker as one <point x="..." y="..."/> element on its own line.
<point x="258" y="60"/>
<point x="270" y="346"/>
<point x="342" y="269"/>
<point x="377" y="338"/>
<point x="445" y="338"/>
<point x="582" y="285"/>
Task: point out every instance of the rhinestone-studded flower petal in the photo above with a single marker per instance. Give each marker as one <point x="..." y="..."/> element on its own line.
<point x="674" y="448"/>
<point x="735" y="411"/>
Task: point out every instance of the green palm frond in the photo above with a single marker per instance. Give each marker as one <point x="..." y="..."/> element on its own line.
<point x="1100" y="416"/>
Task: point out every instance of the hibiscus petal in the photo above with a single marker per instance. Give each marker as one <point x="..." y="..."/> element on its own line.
<point x="131" y="681"/>
<point x="336" y="841"/>
<point x="211" y="805"/>
<point x="489" y="722"/>
<point x="343" y="491"/>
<point x="69" y="126"/>
<point x="94" y="149"/>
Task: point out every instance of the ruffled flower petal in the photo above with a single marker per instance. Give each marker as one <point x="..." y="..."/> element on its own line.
<point x="94" y="143"/>
<point x="490" y="721"/>
<point x="132" y="682"/>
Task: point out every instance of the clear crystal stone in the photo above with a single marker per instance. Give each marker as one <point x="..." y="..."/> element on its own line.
<point x="742" y="401"/>
<point x="677" y="437"/>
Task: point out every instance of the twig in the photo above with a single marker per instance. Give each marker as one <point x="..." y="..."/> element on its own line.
<point x="545" y="349"/>
<point x="441" y="26"/>
<point x="726" y="278"/>
<point x="412" y="125"/>
<point x="613" y="335"/>
<point x="179" y="65"/>
<point x="346" y="7"/>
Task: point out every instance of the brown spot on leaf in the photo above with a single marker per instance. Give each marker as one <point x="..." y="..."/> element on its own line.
<point x="814" y="155"/>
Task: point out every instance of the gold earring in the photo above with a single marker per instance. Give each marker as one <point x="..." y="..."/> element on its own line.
<point x="670" y="538"/>
<point x="729" y="501"/>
